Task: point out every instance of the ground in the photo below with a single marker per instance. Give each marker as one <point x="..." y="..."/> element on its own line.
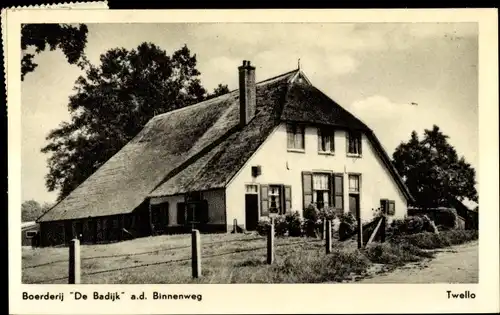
<point x="457" y="264"/>
<point x="239" y="258"/>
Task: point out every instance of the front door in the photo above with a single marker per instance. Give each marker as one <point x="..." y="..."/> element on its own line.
<point x="354" y="205"/>
<point x="251" y="211"/>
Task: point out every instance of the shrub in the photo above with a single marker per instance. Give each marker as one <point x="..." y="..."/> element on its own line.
<point x="312" y="224"/>
<point x="294" y="224"/>
<point x="280" y="225"/>
<point x="445" y="217"/>
<point x="348" y="225"/>
<point x="340" y="265"/>
<point x="395" y="254"/>
<point x="289" y="224"/>
<point x="413" y="225"/>
<point x="263" y="226"/>
<point x="311" y="213"/>
<point x="327" y="213"/>
<point x="429" y="240"/>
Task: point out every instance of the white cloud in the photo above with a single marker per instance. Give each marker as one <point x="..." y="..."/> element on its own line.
<point x="392" y="122"/>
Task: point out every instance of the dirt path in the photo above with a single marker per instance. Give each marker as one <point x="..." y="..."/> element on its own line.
<point x="457" y="264"/>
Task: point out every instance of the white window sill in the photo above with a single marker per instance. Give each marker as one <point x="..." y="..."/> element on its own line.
<point x="326" y="153"/>
<point x="353" y="155"/>
<point x="296" y="150"/>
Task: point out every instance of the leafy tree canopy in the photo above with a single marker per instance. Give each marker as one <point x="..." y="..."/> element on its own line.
<point x="112" y="103"/>
<point x="70" y="39"/>
<point x="32" y="210"/>
<point x="433" y="171"/>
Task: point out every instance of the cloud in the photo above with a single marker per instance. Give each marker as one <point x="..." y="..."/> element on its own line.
<point x="392" y="122"/>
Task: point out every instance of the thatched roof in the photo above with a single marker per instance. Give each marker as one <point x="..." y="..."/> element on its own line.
<point x="201" y="147"/>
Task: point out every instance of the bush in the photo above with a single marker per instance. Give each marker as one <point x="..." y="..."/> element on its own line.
<point x="280" y="225"/>
<point x="263" y="226"/>
<point x="348" y="225"/>
<point x="429" y="240"/>
<point x="412" y="225"/>
<point x="339" y="265"/>
<point x="294" y="224"/>
<point x="445" y="217"/>
<point x="289" y="224"/>
<point x="395" y="254"/>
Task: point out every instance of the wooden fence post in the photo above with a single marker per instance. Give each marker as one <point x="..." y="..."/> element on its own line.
<point x="360" y="232"/>
<point x="270" y="243"/>
<point x="74" y="262"/>
<point x="196" y="253"/>
<point x="235" y="226"/>
<point x="328" y="234"/>
<point x="324" y="228"/>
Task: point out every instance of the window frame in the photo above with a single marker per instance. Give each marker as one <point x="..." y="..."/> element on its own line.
<point x="291" y="129"/>
<point x="324" y="132"/>
<point x="328" y="190"/>
<point x="355" y="175"/>
<point x="284" y="202"/>
<point x="309" y="191"/>
<point x="352" y="135"/>
<point x="26" y="234"/>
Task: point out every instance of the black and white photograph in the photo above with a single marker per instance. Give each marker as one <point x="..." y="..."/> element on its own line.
<point x="250" y="153"/>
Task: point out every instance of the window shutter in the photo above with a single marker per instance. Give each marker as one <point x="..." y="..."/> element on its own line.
<point x="307" y="189"/>
<point x="338" y="187"/>
<point x="384" y="205"/>
<point x="264" y="196"/>
<point x="288" y="199"/>
<point x="181" y="213"/>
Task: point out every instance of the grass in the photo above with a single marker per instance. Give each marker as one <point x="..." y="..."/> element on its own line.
<point x="231" y="258"/>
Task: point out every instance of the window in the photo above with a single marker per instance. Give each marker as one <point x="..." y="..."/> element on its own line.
<point x="326" y="140"/>
<point x="275" y="199"/>
<point x="192" y="212"/>
<point x="353" y="184"/>
<point x="321" y="190"/>
<point x="251" y="189"/>
<point x="295" y="137"/>
<point x="30" y="234"/>
<point x="388" y="206"/>
<point x="354" y="143"/>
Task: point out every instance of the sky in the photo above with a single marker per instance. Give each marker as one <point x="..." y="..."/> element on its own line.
<point x="374" y="70"/>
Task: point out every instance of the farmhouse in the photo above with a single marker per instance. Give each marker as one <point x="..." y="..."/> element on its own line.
<point x="273" y="146"/>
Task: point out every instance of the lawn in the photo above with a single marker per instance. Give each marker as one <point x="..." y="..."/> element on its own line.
<point x="230" y="258"/>
<point x="159" y="259"/>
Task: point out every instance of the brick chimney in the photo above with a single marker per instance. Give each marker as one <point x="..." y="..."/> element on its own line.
<point x="247" y="92"/>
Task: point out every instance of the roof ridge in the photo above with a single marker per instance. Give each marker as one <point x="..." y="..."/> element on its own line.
<point x="225" y="94"/>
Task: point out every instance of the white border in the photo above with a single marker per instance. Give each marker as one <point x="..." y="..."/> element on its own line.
<point x="321" y="298"/>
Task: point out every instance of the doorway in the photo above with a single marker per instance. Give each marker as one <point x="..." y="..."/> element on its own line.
<point x="251" y="207"/>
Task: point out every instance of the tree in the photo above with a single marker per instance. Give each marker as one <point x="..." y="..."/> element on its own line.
<point x="432" y="170"/>
<point x="32" y="210"/>
<point x="70" y="39"/>
<point x="219" y="90"/>
<point x="112" y="104"/>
